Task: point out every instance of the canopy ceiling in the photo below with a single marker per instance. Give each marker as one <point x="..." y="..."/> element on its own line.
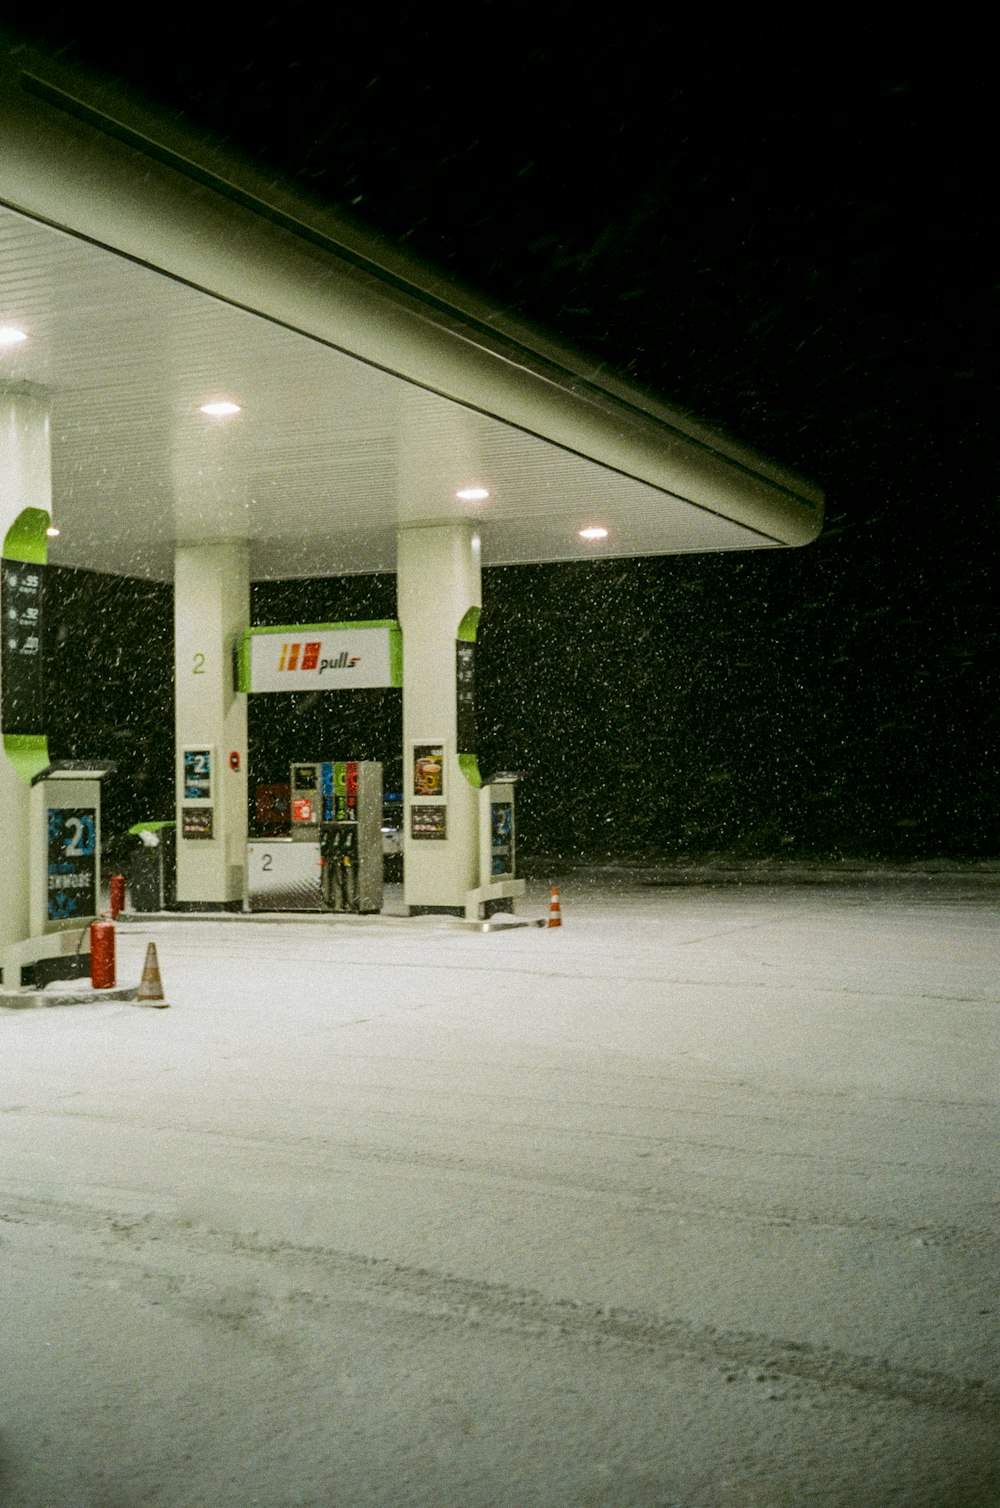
<point x="149" y="280"/>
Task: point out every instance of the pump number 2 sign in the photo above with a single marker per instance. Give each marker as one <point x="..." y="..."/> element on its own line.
<point x="197" y="774"/>
<point x="72" y="862"/>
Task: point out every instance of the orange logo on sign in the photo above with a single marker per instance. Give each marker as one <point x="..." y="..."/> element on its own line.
<point x="290" y="656"/>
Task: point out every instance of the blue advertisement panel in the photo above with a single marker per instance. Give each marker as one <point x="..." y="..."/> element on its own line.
<point x="197" y="774"/>
<point x="72" y="862"/>
<point x="501" y="840"/>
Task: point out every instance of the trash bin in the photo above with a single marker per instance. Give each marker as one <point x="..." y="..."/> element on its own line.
<point x="153" y="870"/>
<point x="146" y="880"/>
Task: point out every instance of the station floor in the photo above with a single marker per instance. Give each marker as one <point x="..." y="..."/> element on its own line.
<point x="691" y="1201"/>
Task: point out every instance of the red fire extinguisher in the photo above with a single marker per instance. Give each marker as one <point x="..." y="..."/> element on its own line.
<point x="102" y="954"/>
<point x="116" y="895"/>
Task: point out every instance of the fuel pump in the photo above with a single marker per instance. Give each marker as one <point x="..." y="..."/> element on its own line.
<point x="340" y="866"/>
<point x="64" y="858"/>
<point x="499" y="884"/>
<point x="351" y="835"/>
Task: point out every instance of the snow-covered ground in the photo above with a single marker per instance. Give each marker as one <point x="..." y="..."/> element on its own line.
<point x="691" y="1202"/>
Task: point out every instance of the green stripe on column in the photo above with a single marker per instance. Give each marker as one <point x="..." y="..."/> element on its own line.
<point x="469" y="766"/>
<point x="28" y="753"/>
<point x="469" y="626"/>
<point x="395" y="654"/>
<point x="243" y="661"/>
<point x="28" y="541"/>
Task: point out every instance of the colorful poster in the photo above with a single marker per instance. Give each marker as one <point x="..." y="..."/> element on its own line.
<point x="428" y="770"/>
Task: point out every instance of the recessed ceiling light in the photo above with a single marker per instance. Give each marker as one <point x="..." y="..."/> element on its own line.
<point x="10" y="335"/>
<point x="223" y="408"/>
<point x="594" y="533"/>
<point x="52" y="531"/>
<point x="473" y="494"/>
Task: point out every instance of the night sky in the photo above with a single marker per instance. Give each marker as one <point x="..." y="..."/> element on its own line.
<point x="790" y="236"/>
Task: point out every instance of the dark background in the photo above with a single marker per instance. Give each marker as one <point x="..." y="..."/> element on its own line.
<point x="789" y="234"/>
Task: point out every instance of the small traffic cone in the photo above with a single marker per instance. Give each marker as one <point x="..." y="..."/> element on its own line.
<point x="151" y="985"/>
<point x="555" y="914"/>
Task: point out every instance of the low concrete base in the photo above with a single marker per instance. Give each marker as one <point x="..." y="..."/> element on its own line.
<point x="57" y="950"/>
<point x="72" y="994"/>
<point x="494" y="895"/>
<point x="215" y="906"/>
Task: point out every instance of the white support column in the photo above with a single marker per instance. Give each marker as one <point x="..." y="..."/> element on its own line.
<point x="438" y="581"/>
<point x="211" y="610"/>
<point x="25" y="482"/>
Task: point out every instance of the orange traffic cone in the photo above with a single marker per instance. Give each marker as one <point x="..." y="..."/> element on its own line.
<point x="151" y="985"/>
<point x="555" y="914"/>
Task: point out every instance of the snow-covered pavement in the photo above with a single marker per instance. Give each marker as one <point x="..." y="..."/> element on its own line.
<point x="690" y="1202"/>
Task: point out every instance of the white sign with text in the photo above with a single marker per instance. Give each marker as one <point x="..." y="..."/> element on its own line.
<point x="314" y="659"/>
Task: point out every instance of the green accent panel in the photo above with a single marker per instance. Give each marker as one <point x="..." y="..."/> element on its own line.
<point x="243" y="661"/>
<point x="307" y="628"/>
<point x="26" y="538"/>
<point x="150" y="827"/>
<point x="469" y="766"/>
<point x="469" y="626"/>
<point x="395" y="654"/>
<point x="27" y="752"/>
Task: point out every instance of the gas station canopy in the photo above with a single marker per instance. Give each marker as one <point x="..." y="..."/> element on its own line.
<point x="145" y="274"/>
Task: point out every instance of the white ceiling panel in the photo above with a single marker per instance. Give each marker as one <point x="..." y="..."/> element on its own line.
<point x="315" y="470"/>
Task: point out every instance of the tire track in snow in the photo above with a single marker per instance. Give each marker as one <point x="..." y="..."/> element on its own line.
<point x="318" y="1151"/>
<point x="161" y="1252"/>
<point x="318" y="1146"/>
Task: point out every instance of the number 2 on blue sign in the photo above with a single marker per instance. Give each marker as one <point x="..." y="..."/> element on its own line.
<point x="80" y="844"/>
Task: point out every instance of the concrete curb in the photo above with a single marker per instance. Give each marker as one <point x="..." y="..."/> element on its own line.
<point x="19" y="1000"/>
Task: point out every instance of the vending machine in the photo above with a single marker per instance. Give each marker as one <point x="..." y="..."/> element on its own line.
<point x="284" y="869"/>
<point x="305" y="796"/>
